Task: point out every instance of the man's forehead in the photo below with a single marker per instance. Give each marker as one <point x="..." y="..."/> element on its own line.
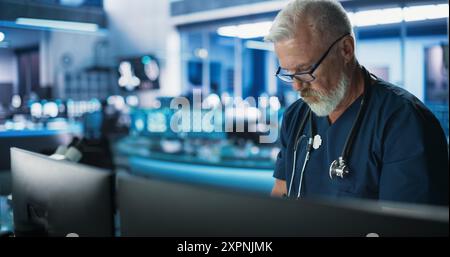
<point x="296" y="53"/>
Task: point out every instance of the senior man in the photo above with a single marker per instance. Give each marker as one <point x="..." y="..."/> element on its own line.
<point x="350" y="134"/>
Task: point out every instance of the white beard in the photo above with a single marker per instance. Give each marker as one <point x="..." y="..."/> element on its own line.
<point x="328" y="103"/>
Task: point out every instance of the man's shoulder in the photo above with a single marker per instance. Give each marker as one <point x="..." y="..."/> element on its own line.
<point x="392" y="94"/>
<point x="391" y="99"/>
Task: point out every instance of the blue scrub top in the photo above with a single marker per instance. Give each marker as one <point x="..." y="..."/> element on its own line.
<point x="399" y="153"/>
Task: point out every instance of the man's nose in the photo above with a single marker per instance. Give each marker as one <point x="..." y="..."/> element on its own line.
<point x="298" y="85"/>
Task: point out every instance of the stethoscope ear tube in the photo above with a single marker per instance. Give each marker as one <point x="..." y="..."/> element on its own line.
<point x="339" y="167"/>
<point x="297" y="141"/>
<point x="294" y="163"/>
<point x="308" y="152"/>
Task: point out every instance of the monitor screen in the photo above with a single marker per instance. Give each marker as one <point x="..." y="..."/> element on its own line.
<point x="139" y="73"/>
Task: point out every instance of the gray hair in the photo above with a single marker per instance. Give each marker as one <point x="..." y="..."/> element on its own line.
<point x="328" y="18"/>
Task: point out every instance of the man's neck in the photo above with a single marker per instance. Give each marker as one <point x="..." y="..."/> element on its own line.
<point x="355" y="89"/>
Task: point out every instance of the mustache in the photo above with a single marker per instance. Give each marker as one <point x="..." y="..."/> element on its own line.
<point x="309" y="92"/>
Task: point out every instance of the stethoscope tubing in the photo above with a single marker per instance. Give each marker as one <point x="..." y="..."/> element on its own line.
<point x="347" y="145"/>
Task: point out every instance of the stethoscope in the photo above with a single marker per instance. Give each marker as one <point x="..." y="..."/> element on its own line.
<point x="339" y="167"/>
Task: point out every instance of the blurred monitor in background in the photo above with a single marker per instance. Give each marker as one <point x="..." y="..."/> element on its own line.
<point x="139" y="73"/>
<point x="436" y="74"/>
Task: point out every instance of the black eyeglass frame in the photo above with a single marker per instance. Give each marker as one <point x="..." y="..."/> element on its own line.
<point x="313" y="67"/>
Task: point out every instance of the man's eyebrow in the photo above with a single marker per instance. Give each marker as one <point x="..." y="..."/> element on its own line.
<point x="298" y="67"/>
<point x="302" y="66"/>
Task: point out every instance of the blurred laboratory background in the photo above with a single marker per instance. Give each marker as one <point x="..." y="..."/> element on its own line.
<point x="101" y="74"/>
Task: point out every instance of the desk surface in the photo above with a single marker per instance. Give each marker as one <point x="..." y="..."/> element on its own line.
<point x="36" y="139"/>
<point x="72" y="128"/>
<point x="149" y="148"/>
<point x="239" y="173"/>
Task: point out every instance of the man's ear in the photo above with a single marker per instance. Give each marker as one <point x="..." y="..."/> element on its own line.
<point x="348" y="49"/>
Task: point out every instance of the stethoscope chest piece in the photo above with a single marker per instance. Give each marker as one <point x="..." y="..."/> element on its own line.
<point x="338" y="168"/>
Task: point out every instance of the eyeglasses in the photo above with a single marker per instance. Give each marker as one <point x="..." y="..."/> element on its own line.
<point x="305" y="76"/>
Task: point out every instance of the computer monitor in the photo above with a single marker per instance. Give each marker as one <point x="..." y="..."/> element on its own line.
<point x="150" y="207"/>
<point x="58" y="198"/>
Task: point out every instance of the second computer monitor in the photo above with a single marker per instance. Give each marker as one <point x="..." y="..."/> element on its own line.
<point x="150" y="207"/>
